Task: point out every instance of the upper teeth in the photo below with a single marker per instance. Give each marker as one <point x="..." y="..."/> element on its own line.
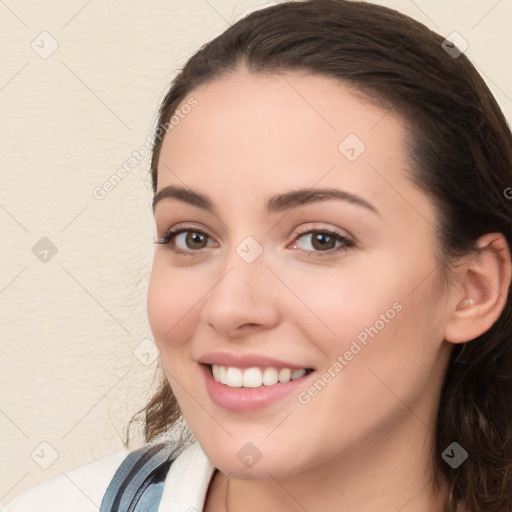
<point x="254" y="377"/>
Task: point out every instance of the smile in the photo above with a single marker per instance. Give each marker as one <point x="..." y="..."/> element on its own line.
<point x="253" y="387"/>
<point x="255" y="377"/>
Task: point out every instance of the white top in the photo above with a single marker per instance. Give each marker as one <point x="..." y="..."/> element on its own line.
<point x="82" y="489"/>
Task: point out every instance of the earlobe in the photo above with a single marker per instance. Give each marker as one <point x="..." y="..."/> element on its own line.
<point x="484" y="281"/>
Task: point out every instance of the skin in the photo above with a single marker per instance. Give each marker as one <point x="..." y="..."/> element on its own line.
<point x="363" y="442"/>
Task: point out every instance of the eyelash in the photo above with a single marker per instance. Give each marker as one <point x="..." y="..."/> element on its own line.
<point x="347" y="243"/>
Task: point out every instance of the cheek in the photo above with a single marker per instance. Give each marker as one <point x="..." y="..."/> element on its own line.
<point x="383" y="355"/>
<point x="170" y="304"/>
<point x="335" y="306"/>
<point x="391" y="349"/>
<point x="381" y="312"/>
<point x="158" y="303"/>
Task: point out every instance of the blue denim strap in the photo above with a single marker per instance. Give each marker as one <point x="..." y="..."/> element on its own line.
<point x="138" y="483"/>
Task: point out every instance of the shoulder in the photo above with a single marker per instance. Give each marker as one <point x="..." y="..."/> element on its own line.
<point x="80" y="489"/>
<point x="163" y="476"/>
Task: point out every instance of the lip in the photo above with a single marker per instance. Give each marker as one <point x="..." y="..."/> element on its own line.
<point x="249" y="399"/>
<point x="247" y="361"/>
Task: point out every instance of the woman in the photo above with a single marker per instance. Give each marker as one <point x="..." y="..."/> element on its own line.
<point x="330" y="286"/>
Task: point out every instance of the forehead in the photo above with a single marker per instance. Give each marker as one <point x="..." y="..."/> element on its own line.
<point x="252" y="134"/>
<point x="288" y="110"/>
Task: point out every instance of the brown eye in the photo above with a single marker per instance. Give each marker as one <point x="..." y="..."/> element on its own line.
<point x="324" y="242"/>
<point x="189" y="240"/>
<point x="194" y="239"/>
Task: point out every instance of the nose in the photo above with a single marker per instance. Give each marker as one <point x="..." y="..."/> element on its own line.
<point x="244" y="298"/>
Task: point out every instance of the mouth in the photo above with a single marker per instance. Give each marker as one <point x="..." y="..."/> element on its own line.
<point x="255" y="377"/>
<point x="245" y="382"/>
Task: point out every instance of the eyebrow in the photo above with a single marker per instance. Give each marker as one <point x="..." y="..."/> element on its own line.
<point x="277" y="203"/>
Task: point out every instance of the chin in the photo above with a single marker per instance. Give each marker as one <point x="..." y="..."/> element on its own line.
<point x="250" y="463"/>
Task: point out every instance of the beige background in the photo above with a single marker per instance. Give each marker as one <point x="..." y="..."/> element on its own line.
<point x="77" y="357"/>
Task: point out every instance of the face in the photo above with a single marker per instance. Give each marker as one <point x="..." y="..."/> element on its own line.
<point x="344" y="287"/>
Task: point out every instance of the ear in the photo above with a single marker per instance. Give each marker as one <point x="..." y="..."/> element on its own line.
<point x="483" y="285"/>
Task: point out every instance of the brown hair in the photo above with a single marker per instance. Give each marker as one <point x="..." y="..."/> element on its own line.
<point x="461" y="156"/>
